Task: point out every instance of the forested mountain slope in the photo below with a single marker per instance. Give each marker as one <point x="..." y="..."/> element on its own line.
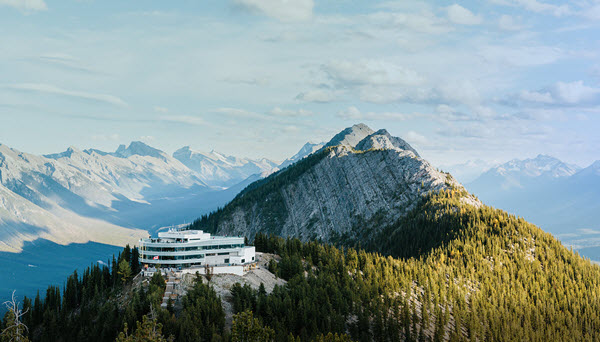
<point x="464" y="273"/>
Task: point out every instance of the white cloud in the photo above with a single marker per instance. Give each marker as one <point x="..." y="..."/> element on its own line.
<point x="575" y="93"/>
<point x="464" y="91"/>
<point x="536" y="6"/>
<point x="507" y="23"/>
<point x="371" y="72"/>
<point x="51" y="89"/>
<point x="521" y="56"/>
<point x="353" y="113"/>
<point x="160" y="109"/>
<point x="275" y="116"/>
<point x="536" y="96"/>
<point x="65" y="61"/>
<point x="424" y="22"/>
<point x="106" y="137"/>
<point x="184" y="119"/>
<point x="291" y="129"/>
<point x="592" y="12"/>
<point x="560" y="93"/>
<point x="350" y="113"/>
<point x="448" y="113"/>
<point x="415" y="138"/>
<point x="462" y="16"/>
<point x="238" y="113"/>
<point x="316" y="95"/>
<point x="283" y="10"/>
<point x="290" y="113"/>
<point x="26" y="5"/>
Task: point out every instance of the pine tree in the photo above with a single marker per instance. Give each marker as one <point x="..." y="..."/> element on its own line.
<point x="246" y="328"/>
<point x="147" y="331"/>
<point x="124" y="271"/>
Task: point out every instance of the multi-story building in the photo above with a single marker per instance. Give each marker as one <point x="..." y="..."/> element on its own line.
<point x="189" y="248"/>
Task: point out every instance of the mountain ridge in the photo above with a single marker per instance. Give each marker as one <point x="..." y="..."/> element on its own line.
<point x="333" y="191"/>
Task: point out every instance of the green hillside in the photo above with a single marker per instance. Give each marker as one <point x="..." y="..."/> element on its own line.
<point x="459" y="273"/>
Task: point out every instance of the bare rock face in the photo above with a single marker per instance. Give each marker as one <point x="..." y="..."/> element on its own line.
<point x="335" y="191"/>
<point x="382" y="140"/>
<point x="351" y="136"/>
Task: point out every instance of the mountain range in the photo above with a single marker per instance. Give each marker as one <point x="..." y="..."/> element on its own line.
<point x="380" y="246"/>
<point x="562" y="198"/>
<point x="115" y="197"/>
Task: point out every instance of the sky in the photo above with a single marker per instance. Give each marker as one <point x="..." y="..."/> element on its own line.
<point x="482" y="81"/>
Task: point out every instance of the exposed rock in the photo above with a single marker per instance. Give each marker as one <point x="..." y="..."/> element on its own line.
<point x="351" y="136"/>
<point x="382" y="140"/>
<point x="335" y="191"/>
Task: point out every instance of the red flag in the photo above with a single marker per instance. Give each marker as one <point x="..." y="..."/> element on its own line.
<point x="155" y="258"/>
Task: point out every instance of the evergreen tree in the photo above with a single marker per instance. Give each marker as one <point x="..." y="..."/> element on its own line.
<point x="246" y="328"/>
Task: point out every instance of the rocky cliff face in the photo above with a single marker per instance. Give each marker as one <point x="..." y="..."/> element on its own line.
<point x="334" y="191"/>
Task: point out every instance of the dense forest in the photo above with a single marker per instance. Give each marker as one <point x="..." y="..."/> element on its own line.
<point x="447" y="271"/>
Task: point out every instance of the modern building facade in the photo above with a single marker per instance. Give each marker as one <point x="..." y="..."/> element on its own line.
<point x="194" y="248"/>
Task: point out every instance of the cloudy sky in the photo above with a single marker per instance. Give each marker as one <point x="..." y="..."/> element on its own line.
<point x="489" y="80"/>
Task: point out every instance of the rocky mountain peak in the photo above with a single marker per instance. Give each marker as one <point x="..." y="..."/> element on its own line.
<point x="140" y="149"/>
<point x="90" y="151"/>
<point x="351" y="136"/>
<point x="306" y="150"/>
<point x="184" y="152"/>
<point x="333" y="193"/>
<point x="383" y="140"/>
<point x="66" y="154"/>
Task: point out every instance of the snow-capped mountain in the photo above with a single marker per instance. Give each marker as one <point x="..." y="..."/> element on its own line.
<point x="112" y="197"/>
<point x="306" y="150"/>
<point x="79" y="196"/>
<point x="217" y="169"/>
<point x="557" y="196"/>
<point x="519" y="173"/>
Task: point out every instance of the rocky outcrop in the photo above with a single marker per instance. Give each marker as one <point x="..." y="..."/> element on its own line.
<point x="351" y="136"/>
<point x="333" y="192"/>
<point x="383" y="140"/>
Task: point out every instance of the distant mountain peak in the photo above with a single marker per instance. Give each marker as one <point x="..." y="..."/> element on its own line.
<point x="218" y="169"/>
<point x="139" y="148"/>
<point x="521" y="173"/>
<point x="184" y="152"/>
<point x="66" y="154"/>
<point x="306" y="150"/>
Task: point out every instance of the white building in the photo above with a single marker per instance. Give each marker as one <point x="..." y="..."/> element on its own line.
<point x="189" y="248"/>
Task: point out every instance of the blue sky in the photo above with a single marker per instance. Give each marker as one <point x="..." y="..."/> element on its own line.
<point x="489" y="80"/>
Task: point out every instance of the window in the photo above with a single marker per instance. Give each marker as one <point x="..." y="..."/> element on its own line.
<point x="227" y="260"/>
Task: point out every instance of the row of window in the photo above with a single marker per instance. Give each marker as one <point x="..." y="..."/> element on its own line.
<point x="171" y="257"/>
<point x="182" y="257"/>
<point x="185" y="249"/>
